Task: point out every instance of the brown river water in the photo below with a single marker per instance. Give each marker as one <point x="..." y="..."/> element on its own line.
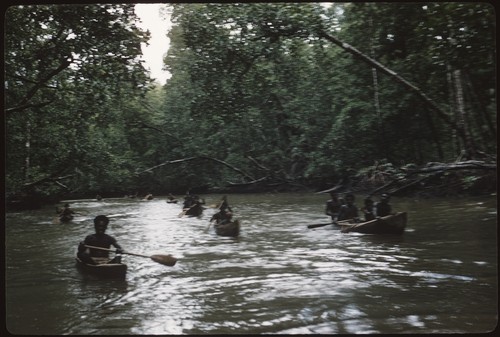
<point x="278" y="277"/>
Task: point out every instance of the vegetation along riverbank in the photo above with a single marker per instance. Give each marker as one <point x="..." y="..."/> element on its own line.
<point x="263" y="97"/>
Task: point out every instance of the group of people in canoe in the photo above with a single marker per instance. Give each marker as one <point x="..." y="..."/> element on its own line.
<point x="337" y="208"/>
<point x="65" y="214"/>
<point x="192" y="205"/>
<point x="224" y="214"/>
<point x="95" y="248"/>
<point x="344" y="208"/>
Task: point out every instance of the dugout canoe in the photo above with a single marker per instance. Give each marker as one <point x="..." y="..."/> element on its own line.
<point x="228" y="229"/>
<point x="390" y="224"/>
<point x="194" y="211"/>
<point x="105" y="269"/>
<point x="65" y="218"/>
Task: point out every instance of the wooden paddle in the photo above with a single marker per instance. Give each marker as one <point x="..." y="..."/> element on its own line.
<point x="210" y="224"/>
<point x="167" y="260"/>
<point x="338" y="223"/>
<point x="181" y="214"/>
<point x="316" y="225"/>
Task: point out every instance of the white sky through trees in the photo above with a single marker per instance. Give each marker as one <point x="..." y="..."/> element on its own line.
<point x="152" y="20"/>
<point x="158" y="44"/>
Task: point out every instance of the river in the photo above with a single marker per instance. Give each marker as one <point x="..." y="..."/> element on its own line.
<point x="278" y="277"/>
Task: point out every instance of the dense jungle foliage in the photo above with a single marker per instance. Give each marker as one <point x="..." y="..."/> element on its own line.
<point x="261" y="94"/>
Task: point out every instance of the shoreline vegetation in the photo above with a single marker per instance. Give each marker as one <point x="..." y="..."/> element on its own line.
<point x="397" y="98"/>
<point x="435" y="179"/>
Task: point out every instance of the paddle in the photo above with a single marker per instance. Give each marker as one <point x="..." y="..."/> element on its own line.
<point x="167" y="260"/>
<point x="320" y="225"/>
<point x="338" y="223"/>
<point x="210" y="224"/>
<point x="181" y="214"/>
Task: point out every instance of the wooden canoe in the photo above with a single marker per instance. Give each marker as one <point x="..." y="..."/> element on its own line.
<point x="105" y="270"/>
<point x="228" y="229"/>
<point x="390" y="224"/>
<point x="194" y="211"/>
<point x="65" y="218"/>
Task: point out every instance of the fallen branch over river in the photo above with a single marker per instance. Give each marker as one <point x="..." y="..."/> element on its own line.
<point x="177" y="161"/>
<point x="466" y="165"/>
<point x="433" y="178"/>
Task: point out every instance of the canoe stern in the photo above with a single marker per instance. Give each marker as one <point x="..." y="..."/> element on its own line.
<point x="391" y="224"/>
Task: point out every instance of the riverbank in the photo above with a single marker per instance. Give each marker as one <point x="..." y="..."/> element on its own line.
<point x="432" y="180"/>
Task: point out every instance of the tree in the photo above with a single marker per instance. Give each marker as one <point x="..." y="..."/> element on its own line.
<point x="66" y="68"/>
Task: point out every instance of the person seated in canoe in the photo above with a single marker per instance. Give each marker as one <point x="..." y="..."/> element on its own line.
<point x="98" y="197"/>
<point x="188" y="202"/>
<point x="224" y="212"/>
<point x="349" y="210"/>
<point x="368" y="209"/>
<point x="99" y="239"/>
<point x="224" y="205"/>
<point x="196" y="207"/>
<point x="333" y="206"/>
<point x="148" y="196"/>
<point x="383" y="208"/>
<point x="66" y="214"/>
<point x="222" y="217"/>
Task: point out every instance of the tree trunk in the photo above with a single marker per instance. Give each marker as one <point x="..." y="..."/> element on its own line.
<point x="376" y="98"/>
<point x="462" y="117"/>
<point x="27" y="146"/>
<point x="435" y="135"/>
<point x="482" y="111"/>
<point x="451" y="104"/>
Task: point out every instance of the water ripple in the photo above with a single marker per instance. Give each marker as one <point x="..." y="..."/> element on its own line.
<point x="277" y="277"/>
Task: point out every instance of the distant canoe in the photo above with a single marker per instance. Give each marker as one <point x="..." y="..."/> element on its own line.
<point x="65" y="218"/>
<point x="390" y="224"/>
<point x="174" y="201"/>
<point x="104" y="270"/>
<point x="228" y="229"/>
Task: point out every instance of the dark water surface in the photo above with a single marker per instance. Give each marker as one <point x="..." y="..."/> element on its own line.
<point x="277" y="277"/>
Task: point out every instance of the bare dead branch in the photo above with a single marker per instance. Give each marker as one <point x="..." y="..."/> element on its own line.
<point x="468" y="165"/>
<point x="244" y="174"/>
<point x="247" y="183"/>
<point x="52" y="178"/>
<point x="27" y="106"/>
<point x="166" y="163"/>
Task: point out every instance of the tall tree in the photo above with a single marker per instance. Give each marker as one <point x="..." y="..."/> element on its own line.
<point x="66" y="68"/>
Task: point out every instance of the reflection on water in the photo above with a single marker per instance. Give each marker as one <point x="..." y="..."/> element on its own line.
<point x="277" y="277"/>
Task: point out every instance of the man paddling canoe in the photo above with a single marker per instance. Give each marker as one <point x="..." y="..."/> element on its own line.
<point x="349" y="210"/>
<point x="333" y="206"/>
<point x="99" y="239"/>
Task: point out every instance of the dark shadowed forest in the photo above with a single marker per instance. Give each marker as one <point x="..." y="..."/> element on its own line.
<point x="380" y="97"/>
